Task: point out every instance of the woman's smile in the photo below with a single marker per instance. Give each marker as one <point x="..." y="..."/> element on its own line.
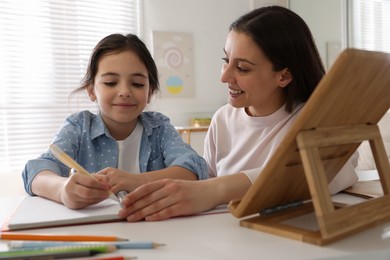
<point x="234" y="92"/>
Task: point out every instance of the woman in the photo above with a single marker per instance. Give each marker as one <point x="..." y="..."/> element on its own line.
<point x="271" y="68"/>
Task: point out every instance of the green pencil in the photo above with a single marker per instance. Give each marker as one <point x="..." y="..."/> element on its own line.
<point x="56" y="252"/>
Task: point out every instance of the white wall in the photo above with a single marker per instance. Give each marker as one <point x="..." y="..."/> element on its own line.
<point x="208" y="21"/>
<point x="327" y="22"/>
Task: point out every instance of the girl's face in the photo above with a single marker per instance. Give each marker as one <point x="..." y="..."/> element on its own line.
<point x="251" y="81"/>
<point x="121" y="90"/>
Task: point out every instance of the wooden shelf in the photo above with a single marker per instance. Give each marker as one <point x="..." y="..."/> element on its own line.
<point x="187" y="130"/>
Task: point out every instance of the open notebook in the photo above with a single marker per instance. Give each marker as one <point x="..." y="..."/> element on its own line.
<point x="37" y="212"/>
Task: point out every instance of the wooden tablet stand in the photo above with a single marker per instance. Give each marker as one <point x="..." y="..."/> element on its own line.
<point x="342" y="112"/>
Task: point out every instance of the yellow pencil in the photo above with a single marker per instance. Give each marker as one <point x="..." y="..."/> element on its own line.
<point x="68" y="161"/>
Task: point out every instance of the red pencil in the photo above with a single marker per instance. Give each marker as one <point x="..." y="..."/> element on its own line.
<point x="116" y="258"/>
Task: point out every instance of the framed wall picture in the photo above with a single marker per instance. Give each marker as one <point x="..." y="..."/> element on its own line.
<point x="173" y="53"/>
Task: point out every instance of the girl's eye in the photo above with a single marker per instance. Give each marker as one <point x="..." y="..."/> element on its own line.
<point x="226" y="60"/>
<point x="110" y="83"/>
<point x="138" y="85"/>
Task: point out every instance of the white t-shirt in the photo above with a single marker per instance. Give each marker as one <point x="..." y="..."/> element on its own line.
<point x="237" y="142"/>
<point x="129" y="151"/>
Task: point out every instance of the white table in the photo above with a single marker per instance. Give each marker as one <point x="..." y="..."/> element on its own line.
<point x="218" y="236"/>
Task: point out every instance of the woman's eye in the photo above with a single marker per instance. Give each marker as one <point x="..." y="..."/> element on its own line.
<point x="226" y="60"/>
<point x="240" y="69"/>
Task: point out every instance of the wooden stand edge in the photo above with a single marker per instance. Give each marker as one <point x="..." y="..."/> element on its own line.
<point x="333" y="223"/>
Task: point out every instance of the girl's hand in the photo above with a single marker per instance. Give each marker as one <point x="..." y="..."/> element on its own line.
<point x="120" y="180"/>
<point x="80" y="191"/>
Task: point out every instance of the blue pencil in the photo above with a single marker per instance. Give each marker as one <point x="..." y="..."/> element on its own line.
<point x="46" y="244"/>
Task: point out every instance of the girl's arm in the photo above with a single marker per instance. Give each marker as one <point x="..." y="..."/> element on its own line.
<point x="120" y="180"/>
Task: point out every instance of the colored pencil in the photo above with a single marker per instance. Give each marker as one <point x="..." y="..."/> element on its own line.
<point x="116" y="258"/>
<point x="119" y="244"/>
<point x="54" y="237"/>
<point x="57" y="252"/>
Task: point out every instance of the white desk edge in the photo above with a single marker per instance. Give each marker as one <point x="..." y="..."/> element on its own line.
<point x="218" y="236"/>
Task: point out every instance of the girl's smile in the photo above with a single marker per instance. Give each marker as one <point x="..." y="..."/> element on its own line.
<point x="124" y="105"/>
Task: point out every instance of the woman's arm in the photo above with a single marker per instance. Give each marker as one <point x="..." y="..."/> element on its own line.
<point x="169" y="149"/>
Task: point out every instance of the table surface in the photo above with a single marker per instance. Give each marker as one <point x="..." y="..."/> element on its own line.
<point x="217" y="236"/>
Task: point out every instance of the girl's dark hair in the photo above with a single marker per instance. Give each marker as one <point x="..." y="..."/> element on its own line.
<point x="286" y="40"/>
<point x="116" y="43"/>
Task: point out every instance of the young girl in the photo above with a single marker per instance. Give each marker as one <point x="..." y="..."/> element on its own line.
<point x="271" y="68"/>
<point x="121" y="140"/>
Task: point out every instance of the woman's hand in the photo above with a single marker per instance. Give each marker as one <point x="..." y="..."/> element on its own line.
<point x="163" y="199"/>
<point x="167" y="198"/>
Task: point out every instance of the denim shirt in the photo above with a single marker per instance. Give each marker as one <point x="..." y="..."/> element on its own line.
<point x="85" y="138"/>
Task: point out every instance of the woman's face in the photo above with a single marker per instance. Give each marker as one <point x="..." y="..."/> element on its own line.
<point x="251" y="81"/>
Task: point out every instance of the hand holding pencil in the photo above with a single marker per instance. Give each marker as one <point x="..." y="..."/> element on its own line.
<point x="82" y="189"/>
